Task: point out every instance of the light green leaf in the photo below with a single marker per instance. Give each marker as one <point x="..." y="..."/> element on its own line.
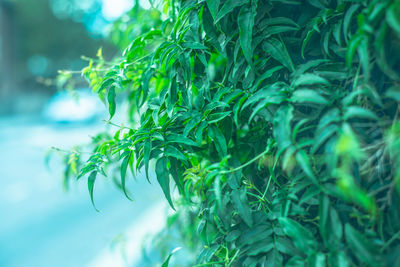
<point x="91" y="181"/>
<point x="358" y="112"/>
<point x="309" y="79"/>
<point x="166" y="262"/>
<point x="308" y="96"/>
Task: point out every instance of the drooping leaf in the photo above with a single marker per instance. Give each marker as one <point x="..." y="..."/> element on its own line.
<point x="392" y="16"/>
<point x="278" y="51"/>
<point x="180" y="139"/>
<point x="163" y="178"/>
<point x="362" y="248"/>
<point x="308" y="96"/>
<point x="146" y="156"/>
<point x="91" y="181"/>
<point x="282" y="127"/>
<point x="246" y="24"/>
<point x="227" y="7"/>
<point x="124" y="167"/>
<point x="111" y="101"/>
<point x="309" y="79"/>
<point x="239" y="199"/>
<point x="302" y="237"/>
<point x="166" y="262"/>
<point x="219" y="140"/>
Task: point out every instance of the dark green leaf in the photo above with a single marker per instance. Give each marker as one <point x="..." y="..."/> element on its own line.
<point x="124" y="167"/>
<point x="163" y="178"/>
<point x="218" y="140"/>
<point x="111" y="101"/>
<point x="246" y="24"/>
<point x="228" y="7"/>
<point x="301" y="236"/>
<point x="146" y="156"/>
<point x="278" y="51"/>
<point x="282" y="127"/>
<point x="239" y="199"/>
<point x="362" y="248"/>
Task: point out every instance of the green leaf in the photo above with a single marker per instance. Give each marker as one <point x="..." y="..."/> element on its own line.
<point x="219" y="140"/>
<point x="163" y="178"/>
<point x="338" y="259"/>
<point x="347" y="19"/>
<point x="166" y="262"/>
<point x="310" y="33"/>
<point x="393" y="17"/>
<point x="124" y="167"/>
<point x="309" y="79"/>
<point x="246" y="24"/>
<point x="213" y="6"/>
<point x="146" y="156"/>
<point x="278" y="51"/>
<point x="354" y="43"/>
<point x="358" y="112"/>
<point x="308" y="96"/>
<point x="330" y="225"/>
<point x="174" y="152"/>
<point x="274" y="259"/>
<point x="228" y="7"/>
<point x="91" y="181"/>
<point x="239" y="199"/>
<point x="180" y="139"/>
<point x="363" y="249"/>
<point x="216" y="117"/>
<point x="282" y="127"/>
<point x="304" y="162"/>
<point x="111" y="101"/>
<point x="393" y="92"/>
<point x="302" y="237"/>
<point x="194" y="45"/>
<point x="316" y="260"/>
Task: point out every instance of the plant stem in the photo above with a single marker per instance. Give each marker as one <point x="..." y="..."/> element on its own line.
<point x="246" y="164"/>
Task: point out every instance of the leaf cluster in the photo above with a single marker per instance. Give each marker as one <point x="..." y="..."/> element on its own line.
<point x="276" y="119"/>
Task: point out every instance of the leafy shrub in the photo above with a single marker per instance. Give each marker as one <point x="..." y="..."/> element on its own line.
<point x="277" y="120"/>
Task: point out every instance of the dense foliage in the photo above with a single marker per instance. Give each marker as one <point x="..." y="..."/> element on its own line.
<point x="276" y="121"/>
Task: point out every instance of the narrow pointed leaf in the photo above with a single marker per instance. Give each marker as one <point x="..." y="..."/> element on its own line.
<point x="91" y="181"/>
<point x="163" y="178"/>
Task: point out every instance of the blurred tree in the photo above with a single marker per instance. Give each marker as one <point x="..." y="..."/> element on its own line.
<point x="47" y="40"/>
<point x="6" y="48"/>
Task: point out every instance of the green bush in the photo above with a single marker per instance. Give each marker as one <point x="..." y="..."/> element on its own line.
<point x="277" y="121"/>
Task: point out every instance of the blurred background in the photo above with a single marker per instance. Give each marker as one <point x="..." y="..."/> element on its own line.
<point x="42" y="223"/>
